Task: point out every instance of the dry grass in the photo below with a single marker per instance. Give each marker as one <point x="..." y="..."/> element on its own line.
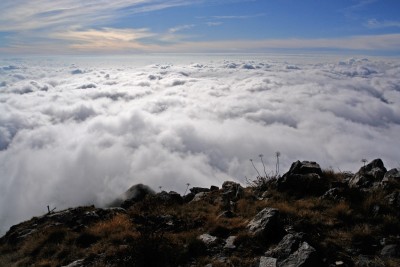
<point x="331" y="227"/>
<point x="115" y="226"/>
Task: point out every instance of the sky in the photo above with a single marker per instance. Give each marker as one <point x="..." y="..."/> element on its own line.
<point x="49" y="27"/>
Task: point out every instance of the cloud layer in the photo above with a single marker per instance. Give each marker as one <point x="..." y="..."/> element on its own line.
<point x="82" y="130"/>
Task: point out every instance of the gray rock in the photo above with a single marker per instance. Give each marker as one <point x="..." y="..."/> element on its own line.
<point x="77" y="263"/>
<point x="394" y="199"/>
<point x="266" y="224"/>
<point x="208" y="239"/>
<point x="368" y="175"/>
<point x="267" y="262"/>
<point x="199" y="196"/>
<point x="169" y="197"/>
<point x="305" y="167"/>
<point x="229" y="243"/>
<point x="196" y="190"/>
<point x="303" y="178"/>
<point x="232" y="190"/>
<point x="305" y="256"/>
<point x="390" y="251"/>
<point x="364" y="261"/>
<point x="289" y="244"/>
<point x="135" y="193"/>
<point x="334" y="194"/>
<point x="391" y="176"/>
<point x="214" y="188"/>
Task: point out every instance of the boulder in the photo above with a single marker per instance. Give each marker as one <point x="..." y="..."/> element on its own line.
<point x="392" y="176"/>
<point x="214" y="188"/>
<point x="199" y="196"/>
<point x="267" y="262"/>
<point x="303" y="178"/>
<point x="169" y="198"/>
<point x="208" y="239"/>
<point x="134" y="194"/>
<point x="334" y="194"/>
<point x="390" y="251"/>
<point x="289" y="244"/>
<point x="305" y="256"/>
<point x="188" y="197"/>
<point x="230" y="242"/>
<point x="305" y="167"/>
<point x="266" y="224"/>
<point x="393" y="199"/>
<point x="232" y="191"/>
<point x="368" y="175"/>
<point x="196" y="190"/>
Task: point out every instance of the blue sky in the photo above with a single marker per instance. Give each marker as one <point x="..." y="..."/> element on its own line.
<point x="146" y="26"/>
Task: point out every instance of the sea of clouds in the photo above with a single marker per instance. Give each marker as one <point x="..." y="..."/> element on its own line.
<point x="77" y="131"/>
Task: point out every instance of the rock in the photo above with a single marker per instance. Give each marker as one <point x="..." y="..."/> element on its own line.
<point x="305" y="167"/>
<point x="169" y="198"/>
<point x="208" y="239"/>
<point x="267" y="262"/>
<point x="226" y="214"/>
<point x="305" y="256"/>
<point x="214" y="188"/>
<point x="135" y="193"/>
<point x="77" y="263"/>
<point x="232" y="191"/>
<point x="289" y="244"/>
<point x="392" y="176"/>
<point x="73" y="218"/>
<point x="303" y="178"/>
<point x="394" y="199"/>
<point x="188" y="197"/>
<point x="368" y="175"/>
<point x="365" y="261"/>
<point x="266" y="224"/>
<point x="199" y="196"/>
<point x="196" y="190"/>
<point x="390" y="251"/>
<point x="229" y="243"/>
<point x="334" y="194"/>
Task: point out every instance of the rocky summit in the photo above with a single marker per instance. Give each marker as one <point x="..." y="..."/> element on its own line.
<point x="307" y="217"/>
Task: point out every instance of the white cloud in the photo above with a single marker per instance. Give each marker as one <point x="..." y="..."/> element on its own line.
<point x="104" y="39"/>
<point x="21" y="15"/>
<point x="214" y="23"/>
<point x="238" y="16"/>
<point x="181" y="28"/>
<point x="375" y="24"/>
<point x="169" y="120"/>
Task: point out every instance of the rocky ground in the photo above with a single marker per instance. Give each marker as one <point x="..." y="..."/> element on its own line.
<point x="307" y="217"/>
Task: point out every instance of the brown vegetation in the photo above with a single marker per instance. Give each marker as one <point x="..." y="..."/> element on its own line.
<point x="154" y="233"/>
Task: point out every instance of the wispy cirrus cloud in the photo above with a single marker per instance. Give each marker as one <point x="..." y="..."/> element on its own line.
<point x="21" y="15"/>
<point x="213" y="23"/>
<point x="181" y="28"/>
<point x="109" y="40"/>
<point x="238" y="16"/>
<point x="365" y="43"/>
<point x="376" y="24"/>
<point x="104" y="39"/>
